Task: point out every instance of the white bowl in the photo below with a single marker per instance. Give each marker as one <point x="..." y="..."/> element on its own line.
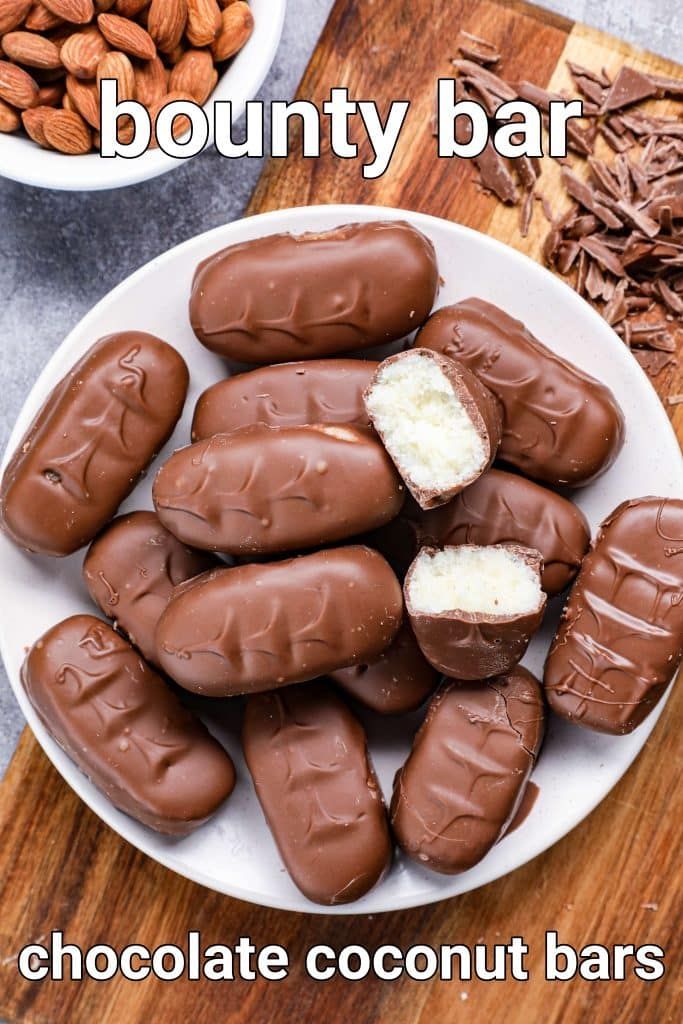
<point x="23" y="160"/>
<point x="234" y="852"/>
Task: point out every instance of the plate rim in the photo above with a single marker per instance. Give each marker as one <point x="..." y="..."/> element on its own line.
<point x="83" y="787"/>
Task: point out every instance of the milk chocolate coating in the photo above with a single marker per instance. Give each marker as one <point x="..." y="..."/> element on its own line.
<point x="621" y="635"/>
<point x="400" y="680"/>
<point x="497" y="508"/>
<point x="288" y="395"/>
<point x="124" y="728"/>
<point x="482" y="408"/>
<point x="467" y="772"/>
<point x="559" y="425"/>
<point x="91" y="441"/>
<point x="312" y="773"/>
<point x="284" y="297"/>
<point x="262" y="490"/>
<point x="256" y="627"/>
<point x="130" y="571"/>
<point x="474" y="645"/>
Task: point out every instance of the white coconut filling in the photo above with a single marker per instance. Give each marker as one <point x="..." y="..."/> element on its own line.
<point x="424" y="425"/>
<point x="490" y="580"/>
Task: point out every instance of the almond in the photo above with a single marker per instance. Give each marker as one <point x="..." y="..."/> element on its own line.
<point x="39" y="19"/>
<point x="51" y="95"/>
<point x="31" y="49"/>
<point x="151" y="82"/>
<point x="34" y="124"/>
<point x="127" y="36"/>
<point x="102" y="6"/>
<point x="117" y="65"/>
<point x="181" y="123"/>
<point x="9" y="118"/>
<point x="237" y="24"/>
<point x="203" y="21"/>
<point x="79" y="12"/>
<point x="130" y="8"/>
<point x="174" y="55"/>
<point x="66" y="131"/>
<point x="68" y="103"/>
<point x="166" y="23"/>
<point x="85" y="97"/>
<point x="12" y="13"/>
<point x="82" y="52"/>
<point x="17" y="87"/>
<point x="194" y="75"/>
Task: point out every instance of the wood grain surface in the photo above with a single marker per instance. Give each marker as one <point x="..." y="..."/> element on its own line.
<point x="615" y="879"/>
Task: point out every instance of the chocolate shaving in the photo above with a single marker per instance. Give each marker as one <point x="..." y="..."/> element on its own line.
<point x="495" y="176"/>
<point x="621" y="240"/>
<point x="604" y="256"/>
<point x="585" y="195"/>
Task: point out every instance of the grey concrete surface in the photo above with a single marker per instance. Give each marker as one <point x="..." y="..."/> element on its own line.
<point x="60" y="252"/>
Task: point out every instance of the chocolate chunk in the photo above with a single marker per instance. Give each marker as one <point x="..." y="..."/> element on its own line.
<point x="473" y="608"/>
<point x="282" y="297"/>
<point x="466" y="775"/>
<point x="630" y="86"/>
<point x="288" y="395"/>
<point x="503" y="90"/>
<point x="621" y="635"/>
<point x="124" y="728"/>
<point x="312" y="773"/>
<point x="257" y="627"/>
<point x="263" y="490"/>
<point x="585" y="195"/>
<point x="499" y="508"/>
<point x="130" y="571"/>
<point x="400" y="680"/>
<point x="605" y="257"/>
<point x="438" y="422"/>
<point x="90" y="442"/>
<point x="559" y="425"/>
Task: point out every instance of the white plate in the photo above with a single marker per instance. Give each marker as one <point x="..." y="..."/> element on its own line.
<point x="24" y="161"/>
<point x="234" y="853"/>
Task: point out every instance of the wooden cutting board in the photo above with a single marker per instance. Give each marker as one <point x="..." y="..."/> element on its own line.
<point x="615" y="879"/>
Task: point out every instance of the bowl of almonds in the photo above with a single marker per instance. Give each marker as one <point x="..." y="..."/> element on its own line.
<point x="55" y="53"/>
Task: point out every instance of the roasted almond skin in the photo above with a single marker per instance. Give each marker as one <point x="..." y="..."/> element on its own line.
<point x="17" y="87"/>
<point x="80" y="12"/>
<point x="66" y="131"/>
<point x="122" y="34"/>
<point x="237" y="24"/>
<point x="32" y="50"/>
<point x="12" y="13"/>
